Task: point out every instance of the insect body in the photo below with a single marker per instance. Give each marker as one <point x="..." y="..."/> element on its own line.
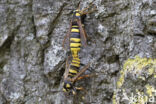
<point x="75" y="45"/>
<point x="76" y="32"/>
<point x="77" y="38"/>
<point x="70" y="78"/>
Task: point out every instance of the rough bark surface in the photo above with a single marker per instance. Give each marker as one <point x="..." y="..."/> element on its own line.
<point x="121" y="48"/>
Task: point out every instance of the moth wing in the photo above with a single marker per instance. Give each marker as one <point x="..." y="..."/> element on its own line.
<point x="82" y="33"/>
<point x="66" y="69"/>
<point x="81" y="72"/>
<point x="65" y="44"/>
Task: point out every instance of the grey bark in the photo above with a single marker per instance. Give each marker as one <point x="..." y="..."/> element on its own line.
<point x="32" y="60"/>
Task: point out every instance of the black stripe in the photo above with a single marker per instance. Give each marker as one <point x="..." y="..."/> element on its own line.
<point x="75" y="35"/>
<point x="74" y="22"/>
<point x="75" y="60"/>
<point x="72" y="73"/>
<point x="83" y="18"/>
<point x="74" y="42"/>
<point x="74" y="67"/>
<point x="74" y="63"/>
<point x="75" y="47"/>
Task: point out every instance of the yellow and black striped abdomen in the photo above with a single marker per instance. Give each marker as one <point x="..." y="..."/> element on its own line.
<point x="74" y="67"/>
<point x="75" y="44"/>
<point x="75" y="41"/>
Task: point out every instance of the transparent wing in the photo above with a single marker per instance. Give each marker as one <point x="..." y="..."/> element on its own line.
<point x="67" y="69"/>
<point x="65" y="44"/>
<point x="82" y="33"/>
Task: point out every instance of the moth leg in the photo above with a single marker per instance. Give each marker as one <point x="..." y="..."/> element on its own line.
<point x="88" y="12"/>
<point x="81" y="89"/>
<point x="79" y="5"/>
<point x="86" y="76"/>
<point x="88" y="6"/>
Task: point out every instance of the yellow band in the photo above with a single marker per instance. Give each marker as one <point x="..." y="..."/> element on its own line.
<point x="64" y="90"/>
<point x="75" y="26"/>
<point x="75" y="39"/>
<point x="75" y="61"/>
<point x="77" y="14"/>
<point x="75" y="44"/>
<point x="75" y="30"/>
<point x="74" y="64"/>
<point x="75" y="49"/>
<point x="72" y="71"/>
<point x="75" y="53"/>
<point x="68" y="85"/>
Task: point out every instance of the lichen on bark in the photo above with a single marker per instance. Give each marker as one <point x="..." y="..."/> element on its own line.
<point x="141" y="74"/>
<point x="32" y="60"/>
